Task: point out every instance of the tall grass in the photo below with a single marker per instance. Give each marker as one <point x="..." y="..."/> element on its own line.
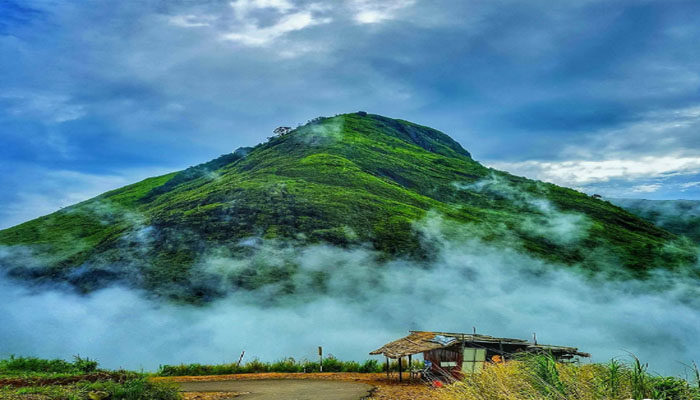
<point x="32" y="365"/>
<point x="639" y="381"/>
<point x="539" y="377"/>
<point x="330" y="364"/>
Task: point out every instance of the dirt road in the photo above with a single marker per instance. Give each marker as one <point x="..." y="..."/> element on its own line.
<point x="289" y="389"/>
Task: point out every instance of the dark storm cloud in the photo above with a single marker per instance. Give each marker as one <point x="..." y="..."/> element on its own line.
<point x="99" y="89"/>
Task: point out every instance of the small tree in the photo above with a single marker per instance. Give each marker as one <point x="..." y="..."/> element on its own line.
<point x="282" y="130"/>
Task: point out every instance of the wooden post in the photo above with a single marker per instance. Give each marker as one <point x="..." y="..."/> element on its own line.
<point x="400" y="378"/>
<point x="387" y="367"/>
<point x="238" y="364"/>
<point x="410" y="367"/>
<point x="320" y="358"/>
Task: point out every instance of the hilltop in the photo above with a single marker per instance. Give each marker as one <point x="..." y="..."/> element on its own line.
<point x="353" y="180"/>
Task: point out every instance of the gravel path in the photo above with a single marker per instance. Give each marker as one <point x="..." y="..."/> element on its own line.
<point x="288" y="389"/>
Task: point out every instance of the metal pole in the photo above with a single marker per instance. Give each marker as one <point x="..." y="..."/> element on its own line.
<point x="400" y="378"/>
<point x="410" y="368"/>
<point x="320" y="359"/>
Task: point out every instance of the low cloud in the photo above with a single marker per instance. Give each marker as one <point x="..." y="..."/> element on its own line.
<point x="541" y="218"/>
<point x="497" y="290"/>
<point x="650" y="188"/>
<point x="320" y="134"/>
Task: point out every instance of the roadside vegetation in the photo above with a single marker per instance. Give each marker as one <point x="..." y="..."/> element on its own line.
<point x="540" y="377"/>
<point x="288" y="365"/>
<point x="533" y="377"/>
<point x="30" y="378"/>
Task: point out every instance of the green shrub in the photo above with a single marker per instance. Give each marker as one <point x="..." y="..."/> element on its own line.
<point x="286" y="365"/>
<point x="351" y="366"/>
<point x="670" y="388"/>
<point x="136" y="389"/>
<point x="84" y="365"/>
<point x="370" y="366"/>
<point x="256" y="366"/>
<point x="27" y="365"/>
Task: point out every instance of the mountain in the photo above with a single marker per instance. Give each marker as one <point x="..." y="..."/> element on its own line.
<point x="351" y="181"/>
<point x="681" y="217"/>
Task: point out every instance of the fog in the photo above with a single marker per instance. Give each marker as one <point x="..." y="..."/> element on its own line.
<point x="367" y="300"/>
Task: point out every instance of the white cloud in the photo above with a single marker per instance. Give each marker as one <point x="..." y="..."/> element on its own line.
<point x="253" y="35"/>
<point x="373" y="11"/>
<point x="242" y="8"/>
<point x="631" y="157"/>
<point x="250" y="31"/>
<point x="259" y="23"/>
<point x="48" y="107"/>
<point x="191" y="20"/>
<point x="584" y="172"/>
<point x="689" y="185"/>
<point x="654" y="132"/>
<point x="650" y="188"/>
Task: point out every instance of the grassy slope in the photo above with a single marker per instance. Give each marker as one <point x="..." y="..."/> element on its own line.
<point x="681" y="217"/>
<point x="346" y="180"/>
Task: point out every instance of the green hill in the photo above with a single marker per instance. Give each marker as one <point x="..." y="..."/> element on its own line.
<point x="350" y="180"/>
<point x="681" y="217"/>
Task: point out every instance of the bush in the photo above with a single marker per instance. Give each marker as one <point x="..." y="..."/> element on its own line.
<point x="370" y="366"/>
<point x="285" y="365"/>
<point x="84" y="365"/>
<point x="670" y="388"/>
<point x="256" y="366"/>
<point x="24" y="365"/>
<point x="332" y="364"/>
<point x="136" y="389"/>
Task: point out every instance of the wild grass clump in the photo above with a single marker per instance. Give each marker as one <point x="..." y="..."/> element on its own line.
<point x="32" y="365"/>
<point x="134" y="389"/>
<point x="539" y="377"/>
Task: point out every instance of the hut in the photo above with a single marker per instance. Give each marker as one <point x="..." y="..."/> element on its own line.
<point x="453" y="354"/>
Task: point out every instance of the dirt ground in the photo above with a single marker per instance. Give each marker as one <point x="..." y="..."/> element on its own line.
<point x="291" y="389"/>
<point x="385" y="389"/>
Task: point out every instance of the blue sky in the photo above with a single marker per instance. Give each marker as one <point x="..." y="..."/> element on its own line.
<point x="602" y="96"/>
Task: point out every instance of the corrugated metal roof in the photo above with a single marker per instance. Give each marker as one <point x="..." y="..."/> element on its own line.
<point x="420" y="341"/>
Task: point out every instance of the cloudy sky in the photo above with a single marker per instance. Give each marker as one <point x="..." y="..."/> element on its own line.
<point x="602" y="96"/>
